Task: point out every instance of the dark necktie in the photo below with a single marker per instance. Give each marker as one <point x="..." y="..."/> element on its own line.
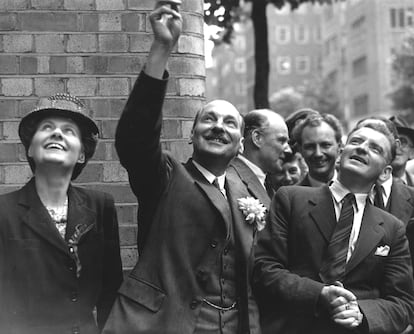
<point x="269" y="188"/>
<point x="333" y="265"/>
<point x="217" y="185"/>
<point x="378" y="199"/>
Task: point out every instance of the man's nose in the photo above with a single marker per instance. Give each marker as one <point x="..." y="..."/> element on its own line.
<point x="287" y="149"/>
<point x="318" y="151"/>
<point x="57" y="133"/>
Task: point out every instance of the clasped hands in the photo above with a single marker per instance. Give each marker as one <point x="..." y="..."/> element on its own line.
<point x="342" y="305"/>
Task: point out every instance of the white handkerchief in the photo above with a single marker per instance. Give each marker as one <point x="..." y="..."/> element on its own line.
<point x="382" y="250"/>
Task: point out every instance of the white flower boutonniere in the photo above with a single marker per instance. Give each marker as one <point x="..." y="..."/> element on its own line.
<point x="254" y="211"/>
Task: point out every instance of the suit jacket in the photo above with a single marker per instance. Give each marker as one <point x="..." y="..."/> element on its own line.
<point x="39" y="290"/>
<point x="305" y="181"/>
<point x="289" y="254"/>
<point x="250" y="180"/>
<point x="183" y="222"/>
<point x="401" y="201"/>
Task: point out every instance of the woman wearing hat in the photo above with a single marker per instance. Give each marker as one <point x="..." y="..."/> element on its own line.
<point x="59" y="244"/>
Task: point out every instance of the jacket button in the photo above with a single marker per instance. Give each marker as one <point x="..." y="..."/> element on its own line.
<point x="193" y="304"/>
<point x="213" y="243"/>
<point x="74" y="297"/>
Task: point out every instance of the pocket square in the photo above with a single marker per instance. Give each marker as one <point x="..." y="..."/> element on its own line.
<point x="382" y="250"/>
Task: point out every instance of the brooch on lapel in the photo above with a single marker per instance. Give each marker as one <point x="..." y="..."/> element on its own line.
<point x="73" y="242"/>
<point x="254" y="211"/>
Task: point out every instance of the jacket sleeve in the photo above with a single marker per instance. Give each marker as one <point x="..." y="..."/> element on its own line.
<point x="137" y="142"/>
<point x="272" y="278"/>
<point x="112" y="270"/>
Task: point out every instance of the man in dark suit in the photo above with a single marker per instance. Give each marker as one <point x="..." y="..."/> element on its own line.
<point x="330" y="262"/>
<point x="266" y="141"/>
<point x="319" y="139"/>
<point x="195" y="243"/>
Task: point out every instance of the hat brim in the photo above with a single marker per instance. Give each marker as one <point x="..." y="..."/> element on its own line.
<point x="85" y="123"/>
<point x="406" y="131"/>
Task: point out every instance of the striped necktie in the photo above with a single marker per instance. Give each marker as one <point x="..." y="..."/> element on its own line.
<point x="333" y="264"/>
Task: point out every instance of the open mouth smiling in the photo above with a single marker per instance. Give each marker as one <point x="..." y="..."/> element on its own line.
<point x="55" y="146"/>
<point x="359" y="159"/>
<point x="217" y="139"/>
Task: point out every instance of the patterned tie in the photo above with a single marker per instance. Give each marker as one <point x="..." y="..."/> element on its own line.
<point x="333" y="265"/>
<point x="378" y="199"/>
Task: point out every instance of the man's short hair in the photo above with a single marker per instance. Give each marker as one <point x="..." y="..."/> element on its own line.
<point x="383" y="128"/>
<point x="315" y="120"/>
<point x="254" y="120"/>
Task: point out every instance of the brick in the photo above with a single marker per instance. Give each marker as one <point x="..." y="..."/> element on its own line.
<point x="191" y="44"/>
<point x="192" y="87"/>
<point x="113" y="86"/>
<point x="17" y="43"/>
<point x="193" y="24"/>
<point x="7" y="22"/>
<point x="96" y="64"/>
<point x="82" y="86"/>
<point x="100" y="150"/>
<point x="113" y="43"/>
<point x="110" y="5"/>
<point x="82" y="43"/>
<point x="182" y="107"/>
<point x="109" y="128"/>
<point x="107" y="107"/>
<point x="129" y="257"/>
<point x="10" y="130"/>
<point x="8" y="153"/>
<point x="128" y="235"/>
<point x="89" y="22"/>
<point x="28" y="65"/>
<point x="47" y="4"/>
<point x="79" y="4"/>
<point x="187" y="66"/>
<point x="140" y="43"/>
<point x="57" y="64"/>
<point x="186" y="127"/>
<point x="141" y="4"/>
<point x="48" y="21"/>
<point x="109" y="151"/>
<point x="127" y="64"/>
<point x="127" y="214"/>
<point x="171" y="129"/>
<point x="91" y="173"/>
<point x="50" y="43"/>
<point x="13" y="4"/>
<point x="110" y="22"/>
<point x="43" y="64"/>
<point x="25" y="106"/>
<point x="74" y="65"/>
<point x="17" y="87"/>
<point x="49" y="86"/>
<point x="17" y="174"/>
<point x="8" y="109"/>
<point x="8" y="64"/>
<point x="133" y="22"/>
<point x="181" y="150"/>
<point x="114" y="172"/>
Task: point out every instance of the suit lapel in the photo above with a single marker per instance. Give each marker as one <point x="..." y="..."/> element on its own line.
<point x="322" y="212"/>
<point x="251" y="181"/>
<point x="369" y="236"/>
<point x="400" y="205"/>
<point x="36" y="217"/>
<point x="79" y="215"/>
<point x="212" y="193"/>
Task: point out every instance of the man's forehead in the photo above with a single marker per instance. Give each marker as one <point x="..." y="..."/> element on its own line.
<point x="221" y="107"/>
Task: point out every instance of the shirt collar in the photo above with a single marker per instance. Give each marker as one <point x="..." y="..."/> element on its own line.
<point x="386" y="185"/>
<point x="210" y="176"/>
<point x="255" y="169"/>
<point x="339" y="191"/>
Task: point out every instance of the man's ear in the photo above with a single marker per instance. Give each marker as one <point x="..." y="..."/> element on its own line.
<point x="241" y="145"/>
<point x="256" y="138"/>
<point x="411" y="154"/>
<point x="385" y="174"/>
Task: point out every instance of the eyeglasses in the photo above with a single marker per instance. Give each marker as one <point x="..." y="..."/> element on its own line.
<point x="405" y="142"/>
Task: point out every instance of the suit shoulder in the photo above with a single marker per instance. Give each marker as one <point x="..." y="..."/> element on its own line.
<point x="301" y="191"/>
<point x="93" y="194"/>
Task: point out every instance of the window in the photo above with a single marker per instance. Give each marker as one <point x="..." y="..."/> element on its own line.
<point x="317" y="34"/>
<point x="302" y="64"/>
<point x="401" y="18"/>
<point x="283" y="65"/>
<point x="393" y="17"/>
<point x="240" y="65"/>
<point x="283" y="34"/>
<point x="240" y="88"/>
<point x="240" y="42"/>
<point x="359" y="67"/>
<point x="410" y="16"/>
<point x="361" y="105"/>
<point x="301" y="34"/>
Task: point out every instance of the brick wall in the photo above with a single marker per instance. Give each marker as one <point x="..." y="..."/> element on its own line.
<point x="93" y="49"/>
